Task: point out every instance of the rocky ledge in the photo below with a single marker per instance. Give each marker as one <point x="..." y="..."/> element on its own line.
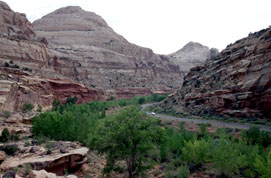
<point x="237" y="82"/>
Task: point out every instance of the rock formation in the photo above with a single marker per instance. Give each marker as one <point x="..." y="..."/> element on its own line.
<point x="237" y="82"/>
<point x="87" y="50"/>
<point x="191" y="55"/>
<point x="18" y="88"/>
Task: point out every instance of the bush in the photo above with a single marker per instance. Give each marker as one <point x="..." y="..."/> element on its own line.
<point x="183" y="172"/>
<point x="6" y="136"/>
<point x="72" y="100"/>
<point x="141" y="100"/>
<point x="263" y="165"/>
<point x="227" y="158"/>
<point x="6" y="64"/>
<point x="27" y="107"/>
<point x="197" y="152"/>
<point x="6" y="114"/>
<point x="9" y="149"/>
<point x="39" y="108"/>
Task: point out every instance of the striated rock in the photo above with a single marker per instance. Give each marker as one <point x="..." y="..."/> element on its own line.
<point x="18" y="88"/>
<point x="87" y="50"/>
<point x="14" y="24"/>
<point x="237" y="82"/>
<point x="191" y="55"/>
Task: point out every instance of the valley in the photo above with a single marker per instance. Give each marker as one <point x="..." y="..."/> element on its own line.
<point x="78" y="100"/>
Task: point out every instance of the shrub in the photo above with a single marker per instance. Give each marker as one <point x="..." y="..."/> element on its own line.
<point x="227" y="158"/>
<point x="56" y="105"/>
<point x="6" y="136"/>
<point x="9" y="149"/>
<point x="263" y="165"/>
<point x="6" y="64"/>
<point x="197" y="152"/>
<point x="72" y="100"/>
<point x="141" y="100"/>
<point x="27" y="107"/>
<point x="183" y="172"/>
<point x="39" y="109"/>
<point x="6" y="114"/>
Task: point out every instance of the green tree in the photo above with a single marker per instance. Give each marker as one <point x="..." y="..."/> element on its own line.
<point x="263" y="165"/>
<point x="72" y="100"/>
<point x="56" y="105"/>
<point x="227" y="158"/>
<point x="141" y="100"/>
<point x="127" y="136"/>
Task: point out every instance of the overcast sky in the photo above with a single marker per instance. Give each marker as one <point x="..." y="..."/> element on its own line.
<point x="167" y="25"/>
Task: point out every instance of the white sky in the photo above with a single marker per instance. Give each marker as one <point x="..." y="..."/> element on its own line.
<point x="167" y="25"/>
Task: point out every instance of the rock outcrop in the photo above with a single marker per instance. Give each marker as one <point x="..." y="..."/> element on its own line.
<point x="14" y="24"/>
<point x="37" y="158"/>
<point x="237" y="82"/>
<point x="192" y="55"/>
<point x="87" y="50"/>
<point x="18" y="87"/>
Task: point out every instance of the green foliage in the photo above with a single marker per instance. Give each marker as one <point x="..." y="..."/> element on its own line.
<point x="141" y="100"/>
<point x="263" y="165"/>
<point x="73" y="124"/>
<point x="6" y="136"/>
<point x="9" y="149"/>
<point x="6" y="114"/>
<point x="255" y="136"/>
<point x="183" y="172"/>
<point x="128" y="136"/>
<point x="39" y="108"/>
<point x="27" y="107"/>
<point x="72" y="100"/>
<point x="227" y="158"/>
<point x="197" y="152"/>
<point x="6" y="64"/>
<point x="56" y="105"/>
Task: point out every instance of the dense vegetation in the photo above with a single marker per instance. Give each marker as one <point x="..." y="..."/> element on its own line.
<point x="135" y="142"/>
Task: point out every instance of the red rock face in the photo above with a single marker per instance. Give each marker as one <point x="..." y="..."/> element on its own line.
<point x="237" y="82"/>
<point x="19" y="87"/>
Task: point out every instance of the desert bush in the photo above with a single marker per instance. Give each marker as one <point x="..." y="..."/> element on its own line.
<point x="27" y="107"/>
<point x="6" y="136"/>
<point x="39" y="109"/>
<point x="6" y="114"/>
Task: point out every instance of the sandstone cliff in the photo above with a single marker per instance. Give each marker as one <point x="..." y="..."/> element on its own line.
<point x="87" y="50"/>
<point x="27" y="72"/>
<point x="237" y="82"/>
<point x="191" y="55"/>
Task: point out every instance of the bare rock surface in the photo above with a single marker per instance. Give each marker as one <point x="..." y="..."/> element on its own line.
<point x="87" y="50"/>
<point x="237" y="82"/>
<point x="191" y="55"/>
<point x="14" y="23"/>
<point x="38" y="158"/>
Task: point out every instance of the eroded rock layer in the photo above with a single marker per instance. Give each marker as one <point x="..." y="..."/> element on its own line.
<point x="87" y="50"/>
<point x="237" y="82"/>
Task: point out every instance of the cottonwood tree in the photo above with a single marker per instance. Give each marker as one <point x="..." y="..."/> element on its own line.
<point x="127" y="136"/>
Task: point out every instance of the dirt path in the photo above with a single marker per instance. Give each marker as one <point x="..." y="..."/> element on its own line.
<point x="212" y="122"/>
